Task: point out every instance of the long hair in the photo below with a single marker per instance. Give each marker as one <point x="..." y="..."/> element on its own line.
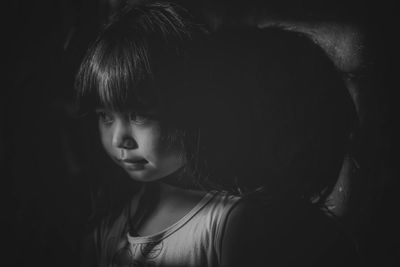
<point x="134" y="64"/>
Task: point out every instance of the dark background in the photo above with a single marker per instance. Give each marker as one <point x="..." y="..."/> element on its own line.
<point x="49" y="158"/>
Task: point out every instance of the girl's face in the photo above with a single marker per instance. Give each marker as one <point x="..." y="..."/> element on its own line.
<point x="134" y="143"/>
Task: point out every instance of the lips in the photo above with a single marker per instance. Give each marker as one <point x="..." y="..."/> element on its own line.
<point x="134" y="164"/>
<point x="134" y="161"/>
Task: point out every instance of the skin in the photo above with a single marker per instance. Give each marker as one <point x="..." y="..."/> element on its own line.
<point x="134" y="143"/>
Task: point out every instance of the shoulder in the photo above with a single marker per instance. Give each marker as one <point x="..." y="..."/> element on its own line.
<point x="245" y="222"/>
<point x="243" y="212"/>
<point x="224" y="200"/>
<point x="219" y="209"/>
<point x="243" y="232"/>
<point x="218" y="205"/>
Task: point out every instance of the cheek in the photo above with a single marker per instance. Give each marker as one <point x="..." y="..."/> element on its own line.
<point x="162" y="151"/>
<point x="172" y="141"/>
<point x="149" y="140"/>
<point x="175" y="160"/>
<point x="172" y="155"/>
<point x="105" y="139"/>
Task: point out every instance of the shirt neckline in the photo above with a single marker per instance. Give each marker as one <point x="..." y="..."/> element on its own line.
<point x="174" y="227"/>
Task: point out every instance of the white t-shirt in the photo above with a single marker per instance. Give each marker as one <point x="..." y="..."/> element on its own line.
<point x="195" y="240"/>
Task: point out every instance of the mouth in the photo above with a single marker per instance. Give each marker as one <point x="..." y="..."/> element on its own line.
<point x="135" y="161"/>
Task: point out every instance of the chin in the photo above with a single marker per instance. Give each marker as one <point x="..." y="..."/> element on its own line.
<point x="144" y="176"/>
<point x="149" y="174"/>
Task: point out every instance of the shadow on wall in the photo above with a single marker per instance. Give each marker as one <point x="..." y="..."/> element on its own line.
<point x="360" y="47"/>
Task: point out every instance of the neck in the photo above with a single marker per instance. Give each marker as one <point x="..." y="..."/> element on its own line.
<point x="167" y="191"/>
<point x="173" y="186"/>
<point x="180" y="179"/>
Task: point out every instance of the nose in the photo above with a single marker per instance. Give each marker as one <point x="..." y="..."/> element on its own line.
<point x="122" y="136"/>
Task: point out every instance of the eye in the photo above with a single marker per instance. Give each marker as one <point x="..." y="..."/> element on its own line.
<point x="105" y="117"/>
<point x="138" y="118"/>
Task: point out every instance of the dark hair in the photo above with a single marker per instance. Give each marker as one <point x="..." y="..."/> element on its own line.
<point x="279" y="110"/>
<point x="134" y="65"/>
<point x="124" y="63"/>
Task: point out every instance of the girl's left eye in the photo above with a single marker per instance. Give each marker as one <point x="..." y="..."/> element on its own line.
<point x="138" y="118"/>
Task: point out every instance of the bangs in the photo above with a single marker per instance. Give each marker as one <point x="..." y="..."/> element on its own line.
<point x="115" y="74"/>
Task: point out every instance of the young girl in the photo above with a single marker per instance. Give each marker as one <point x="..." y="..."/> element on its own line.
<point x="250" y="106"/>
<point x="128" y="78"/>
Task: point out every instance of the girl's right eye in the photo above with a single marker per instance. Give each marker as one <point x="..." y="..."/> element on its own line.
<point x="104" y="117"/>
